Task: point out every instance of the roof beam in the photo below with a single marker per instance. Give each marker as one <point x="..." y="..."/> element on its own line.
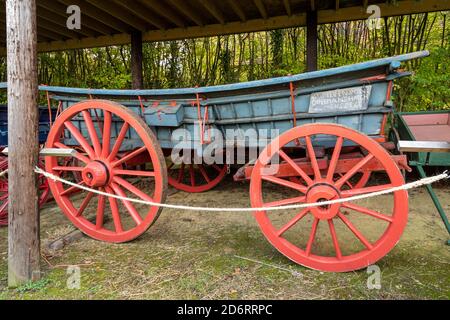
<point x="296" y="20"/>
<point x="120" y="13"/>
<point x="262" y="9"/>
<point x="212" y="8"/>
<point x="47" y="32"/>
<point x="142" y="12"/>
<point x="60" y="10"/>
<point x="64" y="32"/>
<point x="287" y="7"/>
<point x="57" y="19"/>
<point x="238" y="10"/>
<point x="97" y="14"/>
<point x="187" y="11"/>
<point x="164" y="12"/>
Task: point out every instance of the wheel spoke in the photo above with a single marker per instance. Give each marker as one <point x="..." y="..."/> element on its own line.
<point x="286" y="183"/>
<point x="292" y="163"/>
<point x="131" y="209"/>
<point x="77" y="155"/>
<point x="192" y="175"/>
<point x="335" y="239"/>
<point x="368" y="212"/>
<point x="181" y="173"/>
<point x="92" y="132"/>
<point x="4" y="206"/>
<point x="132" y="189"/>
<point x="354" y="170"/>
<point x="134" y="173"/>
<point x="285" y="202"/>
<point x="312" y="236"/>
<point x="357" y="192"/>
<point x="355" y="231"/>
<point x="79" y="137"/>
<point x="219" y="169"/>
<point x="119" y="141"/>
<point x="335" y="158"/>
<point x="312" y="157"/>
<point x="72" y="189"/>
<point x="291" y="223"/>
<point x="84" y="204"/>
<point x="129" y="156"/>
<point x="115" y="211"/>
<point x="100" y="212"/>
<point x="204" y="173"/>
<point x="107" y="118"/>
<point x="63" y="168"/>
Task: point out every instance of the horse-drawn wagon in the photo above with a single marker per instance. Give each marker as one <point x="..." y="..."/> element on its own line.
<point x="305" y="138"/>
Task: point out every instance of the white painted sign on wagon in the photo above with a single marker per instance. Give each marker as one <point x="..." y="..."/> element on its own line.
<point x="340" y="100"/>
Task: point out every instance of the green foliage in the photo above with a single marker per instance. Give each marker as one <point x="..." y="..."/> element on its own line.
<point x="429" y="87"/>
<point x="34" y="286"/>
<point x="251" y="56"/>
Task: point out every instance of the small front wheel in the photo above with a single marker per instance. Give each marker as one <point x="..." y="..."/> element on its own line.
<point x="102" y="132"/>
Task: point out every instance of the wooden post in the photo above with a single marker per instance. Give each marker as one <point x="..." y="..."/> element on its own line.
<point x="136" y="60"/>
<point x="23" y="120"/>
<point x="311" y="41"/>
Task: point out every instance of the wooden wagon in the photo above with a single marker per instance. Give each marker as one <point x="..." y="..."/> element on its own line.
<point x="319" y="136"/>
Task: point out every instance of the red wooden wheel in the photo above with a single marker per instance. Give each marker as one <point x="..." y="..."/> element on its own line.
<point x="196" y="178"/>
<point x="44" y="190"/>
<point x="107" y="126"/>
<point x="339" y="237"/>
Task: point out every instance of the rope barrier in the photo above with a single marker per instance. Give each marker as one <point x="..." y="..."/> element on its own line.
<point x="412" y="185"/>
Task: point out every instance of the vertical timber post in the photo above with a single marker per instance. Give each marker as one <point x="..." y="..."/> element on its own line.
<point x="311" y="41"/>
<point x="23" y="120"/>
<point x="136" y="60"/>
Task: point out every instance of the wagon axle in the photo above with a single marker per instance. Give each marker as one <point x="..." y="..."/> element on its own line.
<point x="322" y="192"/>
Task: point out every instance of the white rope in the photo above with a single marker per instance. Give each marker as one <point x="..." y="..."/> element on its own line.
<point x="415" y="184"/>
<point x="3" y="173"/>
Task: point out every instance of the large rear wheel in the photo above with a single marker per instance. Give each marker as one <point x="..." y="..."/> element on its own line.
<point x="338" y="237"/>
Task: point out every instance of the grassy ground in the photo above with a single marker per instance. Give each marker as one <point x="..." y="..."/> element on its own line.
<point x="189" y="255"/>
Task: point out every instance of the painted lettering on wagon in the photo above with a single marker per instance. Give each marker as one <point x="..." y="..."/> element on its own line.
<point x="348" y="99"/>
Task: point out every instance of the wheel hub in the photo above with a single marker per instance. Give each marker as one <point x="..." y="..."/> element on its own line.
<point x="322" y="193"/>
<point x="95" y="174"/>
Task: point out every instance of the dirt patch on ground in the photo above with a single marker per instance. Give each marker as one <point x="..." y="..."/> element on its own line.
<point x="190" y="255"/>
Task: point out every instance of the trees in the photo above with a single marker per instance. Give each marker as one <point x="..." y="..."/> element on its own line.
<point x="250" y="56"/>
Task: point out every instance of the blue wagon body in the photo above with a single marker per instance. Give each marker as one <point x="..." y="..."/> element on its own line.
<point x="44" y="124"/>
<point x="265" y="104"/>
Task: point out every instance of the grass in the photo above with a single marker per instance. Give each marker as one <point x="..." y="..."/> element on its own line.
<point x="200" y="256"/>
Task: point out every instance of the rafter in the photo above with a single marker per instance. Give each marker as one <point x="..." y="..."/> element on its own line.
<point x="212" y="8"/>
<point x="163" y="11"/>
<point x="59" y="9"/>
<point x="262" y="9"/>
<point x="97" y="14"/>
<point x="120" y="13"/>
<point x="142" y="12"/>
<point x="49" y="16"/>
<point x="287" y="7"/>
<point x="187" y="11"/>
<point x="238" y="10"/>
